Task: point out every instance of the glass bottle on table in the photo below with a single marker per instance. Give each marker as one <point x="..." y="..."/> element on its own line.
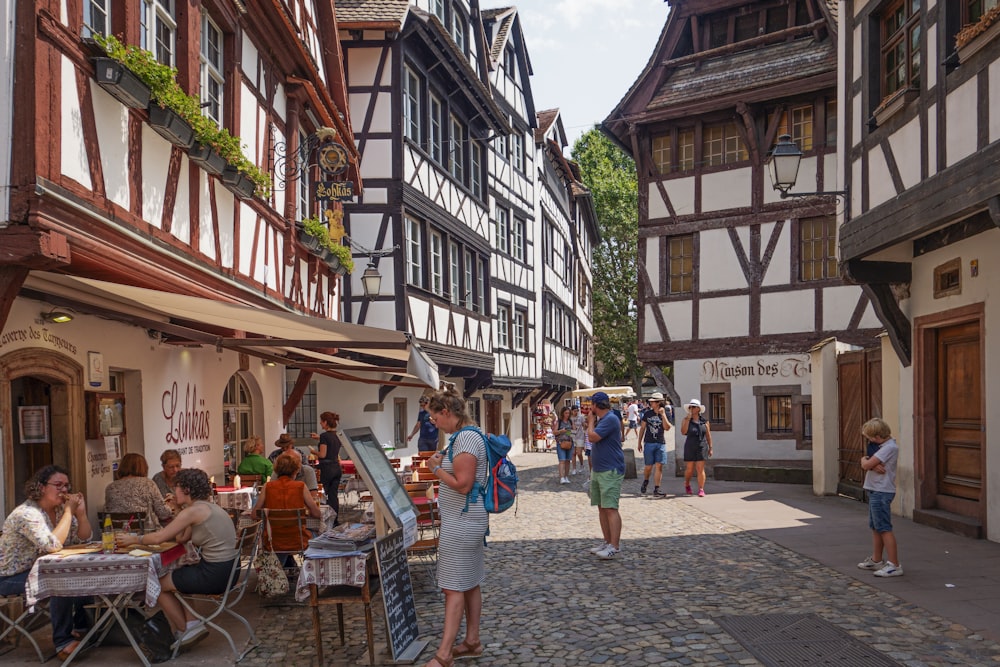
<point x="108" y="535"/>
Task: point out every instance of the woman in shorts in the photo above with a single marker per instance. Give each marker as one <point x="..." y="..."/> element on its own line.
<point x="209" y="528"/>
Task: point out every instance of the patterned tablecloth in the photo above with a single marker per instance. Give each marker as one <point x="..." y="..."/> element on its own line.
<point x="320" y="525"/>
<point x="97" y="574"/>
<point x="340" y="571"/>
<point x="238" y="499"/>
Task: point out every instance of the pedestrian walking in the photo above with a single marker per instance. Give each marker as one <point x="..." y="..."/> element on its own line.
<point x="697" y="445"/>
<point x="330" y="472"/>
<point x="880" y="483"/>
<point x="579" y="422"/>
<point x="653" y="426"/>
<point x="632" y="412"/>
<point x="461" y="567"/>
<point x="564" y="443"/>
<point x="608" y="459"/>
<point x="428" y="440"/>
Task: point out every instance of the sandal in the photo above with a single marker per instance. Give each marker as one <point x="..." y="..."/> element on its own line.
<point x="440" y="662"/>
<point x="66" y="651"/>
<point x="466" y="650"/>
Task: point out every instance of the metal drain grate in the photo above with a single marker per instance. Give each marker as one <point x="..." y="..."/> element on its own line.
<point x="800" y="640"/>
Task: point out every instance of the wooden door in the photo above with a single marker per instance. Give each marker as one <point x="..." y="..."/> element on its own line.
<point x="959" y="416"/>
<point x="859" y="389"/>
<point x="493" y="422"/>
<point x="32" y="421"/>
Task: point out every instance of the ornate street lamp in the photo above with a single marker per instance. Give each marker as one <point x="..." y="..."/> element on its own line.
<point x="371" y="281"/>
<point x="783" y="167"/>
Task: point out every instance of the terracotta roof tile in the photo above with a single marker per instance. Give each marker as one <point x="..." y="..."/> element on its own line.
<point x="545" y="120"/>
<point x="371" y="11"/>
<point x="504" y="17"/>
<point x="747" y="70"/>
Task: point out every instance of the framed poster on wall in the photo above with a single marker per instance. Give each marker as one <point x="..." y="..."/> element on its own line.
<point x="33" y="423"/>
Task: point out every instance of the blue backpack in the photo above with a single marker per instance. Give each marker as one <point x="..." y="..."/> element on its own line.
<point x="500" y="490"/>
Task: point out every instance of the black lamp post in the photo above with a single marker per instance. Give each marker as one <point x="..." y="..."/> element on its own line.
<point x="783" y="166"/>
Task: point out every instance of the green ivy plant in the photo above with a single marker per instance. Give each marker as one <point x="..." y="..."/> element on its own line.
<point x="314" y="227"/>
<point x="165" y="91"/>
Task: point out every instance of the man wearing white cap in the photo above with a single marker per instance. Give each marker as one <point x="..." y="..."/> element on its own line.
<point x="697" y="445"/>
<point x="653" y="426"/>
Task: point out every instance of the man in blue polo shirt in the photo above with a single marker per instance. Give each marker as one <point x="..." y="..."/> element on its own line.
<point x="604" y="430"/>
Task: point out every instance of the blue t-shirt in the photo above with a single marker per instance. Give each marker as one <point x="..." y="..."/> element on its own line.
<point x="428" y="431"/>
<point x="606" y="454"/>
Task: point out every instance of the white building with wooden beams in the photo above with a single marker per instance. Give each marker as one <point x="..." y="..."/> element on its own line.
<point x="150" y="299"/>
<point x="423" y="109"/>
<point x="736" y="284"/>
<point x="920" y="150"/>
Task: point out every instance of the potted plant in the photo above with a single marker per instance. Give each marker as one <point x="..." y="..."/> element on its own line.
<point x="315" y="237"/>
<point x="121" y="82"/>
<point x="169" y="125"/>
<point x="206" y="157"/>
<point x="311" y="235"/>
<point x="344" y="261"/>
<point x="237" y="182"/>
<point x="973" y="37"/>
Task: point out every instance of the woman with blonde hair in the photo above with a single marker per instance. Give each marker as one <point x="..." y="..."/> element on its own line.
<point x="461" y="567"/>
<point x="133" y="492"/>
<point x="254" y="462"/>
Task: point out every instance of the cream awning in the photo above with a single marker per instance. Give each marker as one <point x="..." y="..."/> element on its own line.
<point x="612" y="392"/>
<point x="339" y="349"/>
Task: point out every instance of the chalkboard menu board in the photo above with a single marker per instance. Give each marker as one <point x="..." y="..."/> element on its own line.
<point x="397" y="594"/>
<point x="387" y="491"/>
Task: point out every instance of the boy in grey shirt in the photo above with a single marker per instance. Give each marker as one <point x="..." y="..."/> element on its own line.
<point x="880" y="482"/>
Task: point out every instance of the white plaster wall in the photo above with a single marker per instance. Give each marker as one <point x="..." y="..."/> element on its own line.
<point x="75" y="163"/>
<point x="880" y="187"/>
<point x="679" y="319"/>
<point x="961" y="108"/>
<point x="787" y="312"/>
<point x="650" y="332"/>
<point x="155" y="162"/>
<point x="280" y="103"/>
<point x="726" y="189"/>
<point x="932" y="56"/>
<point x="831" y="175"/>
<point x="224" y="203"/>
<point x="838" y="306"/>
<point x="994" y="103"/>
<point x="248" y="62"/>
<point x="681" y="193"/>
<point x="905" y="144"/>
<point x="779" y="270"/>
<point x="200" y="376"/>
<point x="858" y="117"/>
<point x="723" y="317"/>
<point x="361" y="66"/>
<point x="932" y="146"/>
<point x="181" y="223"/>
<point x="718" y="267"/>
<point x="652" y="261"/>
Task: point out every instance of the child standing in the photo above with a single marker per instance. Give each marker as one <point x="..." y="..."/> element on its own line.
<point x="880" y="482"/>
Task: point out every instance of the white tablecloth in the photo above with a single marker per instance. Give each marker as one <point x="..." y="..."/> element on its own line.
<point x="240" y="499"/>
<point x="340" y="571"/>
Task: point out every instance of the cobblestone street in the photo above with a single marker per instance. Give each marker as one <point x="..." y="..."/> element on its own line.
<point x="550" y="602"/>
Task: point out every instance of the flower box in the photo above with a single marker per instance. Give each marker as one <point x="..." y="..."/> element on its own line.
<point x="207" y="158"/>
<point x="121" y="82"/>
<point x="169" y="125"/>
<point x="973" y="45"/>
<point x="893" y="104"/>
<point x="238" y="183"/>
<point x="310" y="242"/>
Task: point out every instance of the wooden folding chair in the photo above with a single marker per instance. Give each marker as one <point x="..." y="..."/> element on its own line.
<point x="239" y="577"/>
<point x="341" y="595"/>
<point x="134" y="522"/>
<point x="16" y="618"/>
<point x="428" y="525"/>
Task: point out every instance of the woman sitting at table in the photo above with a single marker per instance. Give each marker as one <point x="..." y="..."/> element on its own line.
<point x="171" y="462"/>
<point x="209" y="528"/>
<point x="285" y="493"/>
<point x="49" y="519"/>
<point x="254" y="462"/>
<point x="134" y="492"/>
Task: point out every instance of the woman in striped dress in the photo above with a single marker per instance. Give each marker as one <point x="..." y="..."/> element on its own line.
<point x="461" y="568"/>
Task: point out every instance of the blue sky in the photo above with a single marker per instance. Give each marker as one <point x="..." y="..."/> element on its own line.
<point x="586" y="53"/>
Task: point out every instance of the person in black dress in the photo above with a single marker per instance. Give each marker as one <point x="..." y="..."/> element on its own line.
<point x="329" y="460"/>
<point x="697" y="445"/>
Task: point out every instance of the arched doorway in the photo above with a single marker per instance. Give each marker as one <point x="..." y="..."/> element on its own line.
<point x="239" y="417"/>
<point x="42" y="416"/>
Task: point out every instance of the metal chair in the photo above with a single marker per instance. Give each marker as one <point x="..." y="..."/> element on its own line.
<point x="239" y="577"/>
<point x="428" y="525"/>
<point x="285" y="535"/>
<point x="20" y="624"/>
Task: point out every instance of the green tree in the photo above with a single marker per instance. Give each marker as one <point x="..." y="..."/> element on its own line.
<point x="609" y="173"/>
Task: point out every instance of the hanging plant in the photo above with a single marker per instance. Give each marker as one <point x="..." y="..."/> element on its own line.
<point x="166" y="92"/>
<point x="316" y="229"/>
<point x="973" y="30"/>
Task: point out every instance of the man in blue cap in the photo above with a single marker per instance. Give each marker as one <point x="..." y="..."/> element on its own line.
<point x="604" y="430"/>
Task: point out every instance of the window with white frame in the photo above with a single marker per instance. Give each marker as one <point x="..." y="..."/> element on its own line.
<point x="480" y="306"/>
<point x="435" y="139"/>
<point x="470" y="278"/>
<point x="436" y="8"/>
<point x="302" y="187"/>
<point x="501" y="240"/>
<point x="520" y="330"/>
<point x="455" y="273"/>
<point x="212" y="80"/>
<point x="411" y="105"/>
<point x="414" y="274"/>
<point x="158" y="30"/>
<point x="437" y="263"/>
<point x="458" y="30"/>
<point x="457" y="141"/>
<point x="476" y="177"/>
<point x="503" y="325"/>
<point x="517" y="239"/>
<point x="96" y="17"/>
<point x="517" y="147"/>
<point x="500" y="143"/>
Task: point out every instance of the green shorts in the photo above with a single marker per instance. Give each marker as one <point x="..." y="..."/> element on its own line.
<point x="606" y="488"/>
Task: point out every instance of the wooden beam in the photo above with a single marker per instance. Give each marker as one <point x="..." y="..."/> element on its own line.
<point x="974" y="224"/>
<point x="753" y="42"/>
<point x="994" y="209"/>
<point x="24" y="246"/>
<point x="313" y="344"/>
<point x="11" y="279"/>
<point x="895" y="321"/>
<point x="664" y="383"/>
<point x="878" y="272"/>
<point x="295" y="395"/>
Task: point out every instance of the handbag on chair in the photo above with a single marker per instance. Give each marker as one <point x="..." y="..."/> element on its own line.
<point x="271" y="578"/>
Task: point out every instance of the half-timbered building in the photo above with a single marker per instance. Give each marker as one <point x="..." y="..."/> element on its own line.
<point x="920" y="150"/>
<point x="736" y="283"/>
<point x="151" y="298"/>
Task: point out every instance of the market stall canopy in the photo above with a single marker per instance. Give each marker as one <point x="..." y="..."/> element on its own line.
<point x="338" y="349"/>
<point x="612" y="392"/>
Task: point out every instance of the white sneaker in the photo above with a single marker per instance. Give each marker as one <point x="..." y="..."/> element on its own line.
<point x="890" y="570"/>
<point x="573" y="471"/>
<point x="193" y="634"/>
<point x="869" y="564"/>
<point x="608" y="553"/>
<point x="597" y="550"/>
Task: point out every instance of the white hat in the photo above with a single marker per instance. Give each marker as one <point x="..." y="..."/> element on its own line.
<point x="656" y="396"/>
<point x="695" y="403"/>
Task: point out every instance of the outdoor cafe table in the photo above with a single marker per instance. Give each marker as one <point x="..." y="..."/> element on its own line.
<point x="230" y="498"/>
<point x="112" y="578"/>
<point x="317" y="526"/>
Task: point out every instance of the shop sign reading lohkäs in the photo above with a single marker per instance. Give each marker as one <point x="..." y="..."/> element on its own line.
<point x="730" y="370"/>
<point x="187" y="421"/>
